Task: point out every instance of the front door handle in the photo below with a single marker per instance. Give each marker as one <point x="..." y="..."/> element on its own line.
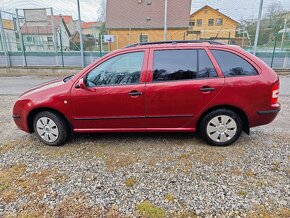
<point x="206" y="89"/>
<point x="135" y="93"/>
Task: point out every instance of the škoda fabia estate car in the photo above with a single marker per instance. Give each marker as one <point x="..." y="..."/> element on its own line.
<point x="204" y="86"/>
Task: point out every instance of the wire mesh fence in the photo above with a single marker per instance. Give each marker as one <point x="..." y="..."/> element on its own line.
<point x="43" y="37"/>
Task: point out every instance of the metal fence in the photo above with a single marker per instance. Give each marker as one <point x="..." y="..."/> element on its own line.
<point x="39" y="37"/>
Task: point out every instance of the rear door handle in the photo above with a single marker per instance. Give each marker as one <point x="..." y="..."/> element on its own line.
<point x="135" y="93"/>
<point x="206" y="89"/>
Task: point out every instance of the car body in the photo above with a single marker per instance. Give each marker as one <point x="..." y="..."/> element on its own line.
<point x="162" y="87"/>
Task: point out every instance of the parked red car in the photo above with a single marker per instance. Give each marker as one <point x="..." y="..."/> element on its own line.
<point x="217" y="90"/>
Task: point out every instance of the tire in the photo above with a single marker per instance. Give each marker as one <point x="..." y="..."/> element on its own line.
<point x="221" y="127"/>
<point x="50" y="128"/>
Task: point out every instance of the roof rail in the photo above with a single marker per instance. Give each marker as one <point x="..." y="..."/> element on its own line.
<point x="173" y="42"/>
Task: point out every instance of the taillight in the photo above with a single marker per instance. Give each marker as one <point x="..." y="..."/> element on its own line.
<point x="275" y="93"/>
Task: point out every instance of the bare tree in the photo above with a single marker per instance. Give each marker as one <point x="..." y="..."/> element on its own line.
<point x="275" y="14"/>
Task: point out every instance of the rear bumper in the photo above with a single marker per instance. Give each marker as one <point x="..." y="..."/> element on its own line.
<point x="276" y="111"/>
<point x="263" y="117"/>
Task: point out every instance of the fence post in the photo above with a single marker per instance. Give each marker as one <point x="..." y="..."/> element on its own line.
<point x="4" y="42"/>
<point x="100" y="44"/>
<point x="117" y="41"/>
<point x="54" y="36"/>
<point x="21" y="39"/>
<point x="285" y="63"/>
<point x="229" y="39"/>
<point x="273" y="54"/>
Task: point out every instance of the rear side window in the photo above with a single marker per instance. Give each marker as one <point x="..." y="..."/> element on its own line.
<point x="182" y="65"/>
<point x="233" y="65"/>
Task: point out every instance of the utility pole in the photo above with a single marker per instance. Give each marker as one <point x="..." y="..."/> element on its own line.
<point x="21" y="39"/>
<point x="60" y="40"/>
<point x="284" y="31"/>
<point x="165" y="21"/>
<point x="80" y="33"/>
<point x="258" y="27"/>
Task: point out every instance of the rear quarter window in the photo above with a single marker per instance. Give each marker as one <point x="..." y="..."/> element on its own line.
<point x="233" y="65"/>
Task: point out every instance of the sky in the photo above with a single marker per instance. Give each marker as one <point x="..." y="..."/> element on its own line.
<point x="236" y="9"/>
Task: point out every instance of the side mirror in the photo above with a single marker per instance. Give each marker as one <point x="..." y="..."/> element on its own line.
<point x="82" y="84"/>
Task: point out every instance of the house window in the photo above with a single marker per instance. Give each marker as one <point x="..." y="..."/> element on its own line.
<point x="192" y="23"/>
<point x="199" y="22"/>
<point x="29" y="39"/>
<point x="49" y="39"/>
<point x="210" y="22"/>
<point x="144" y="38"/>
<point x="219" y="21"/>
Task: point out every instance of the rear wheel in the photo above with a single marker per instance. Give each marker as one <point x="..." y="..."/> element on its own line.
<point x="50" y="128"/>
<point x="221" y="127"/>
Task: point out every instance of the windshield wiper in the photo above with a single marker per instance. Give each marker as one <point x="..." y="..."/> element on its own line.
<point x="67" y="78"/>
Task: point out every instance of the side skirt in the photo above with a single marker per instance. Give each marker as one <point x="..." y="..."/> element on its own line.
<point x="136" y="130"/>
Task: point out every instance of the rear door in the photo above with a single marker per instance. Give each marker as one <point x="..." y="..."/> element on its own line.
<point x="182" y="83"/>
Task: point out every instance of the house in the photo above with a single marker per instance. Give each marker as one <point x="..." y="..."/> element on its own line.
<point x="10" y="36"/>
<point x="133" y="21"/>
<point x="209" y="23"/>
<point x="40" y="37"/>
<point x="91" y="28"/>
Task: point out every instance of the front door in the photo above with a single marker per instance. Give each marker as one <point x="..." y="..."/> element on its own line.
<point x="183" y="83"/>
<point x="113" y="97"/>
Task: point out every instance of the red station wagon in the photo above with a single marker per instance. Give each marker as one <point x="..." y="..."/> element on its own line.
<point x="177" y="86"/>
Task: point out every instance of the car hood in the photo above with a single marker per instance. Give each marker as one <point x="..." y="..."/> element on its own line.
<point x="44" y="86"/>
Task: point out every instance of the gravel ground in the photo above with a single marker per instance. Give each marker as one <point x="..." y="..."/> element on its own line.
<point x="150" y="175"/>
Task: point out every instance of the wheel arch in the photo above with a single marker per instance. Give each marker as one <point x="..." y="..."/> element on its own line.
<point x="35" y="111"/>
<point x="241" y="113"/>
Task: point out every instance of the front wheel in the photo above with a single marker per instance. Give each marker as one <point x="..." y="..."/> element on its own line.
<point x="221" y="127"/>
<point x="50" y="128"/>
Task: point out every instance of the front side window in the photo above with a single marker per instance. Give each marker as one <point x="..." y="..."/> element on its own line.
<point x="119" y="70"/>
<point x="233" y="65"/>
<point x="181" y="65"/>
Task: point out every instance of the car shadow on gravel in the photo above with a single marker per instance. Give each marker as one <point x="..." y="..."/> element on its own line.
<point x="135" y="137"/>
